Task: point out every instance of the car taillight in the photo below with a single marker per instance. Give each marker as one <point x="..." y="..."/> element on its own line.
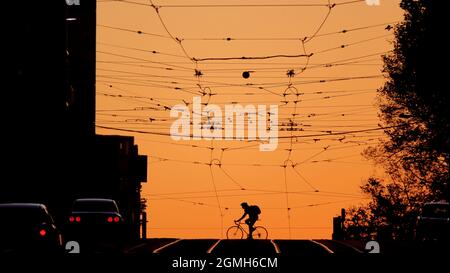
<point x="78" y="219"/>
<point x="116" y="219"/>
<point x="42" y="232"/>
<point x="71" y="219"/>
<point x="110" y="219"/>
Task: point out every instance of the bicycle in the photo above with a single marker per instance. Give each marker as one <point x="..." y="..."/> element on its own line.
<point x="237" y="232"/>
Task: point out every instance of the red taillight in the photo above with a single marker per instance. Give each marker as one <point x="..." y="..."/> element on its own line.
<point x="116" y="219"/>
<point x="78" y="219"/>
<point x="71" y="219"/>
<point x="110" y="219"/>
<point x="42" y="232"/>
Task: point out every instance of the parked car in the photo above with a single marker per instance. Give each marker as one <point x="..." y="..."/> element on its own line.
<point x="28" y="228"/>
<point x="433" y="223"/>
<point x="95" y="219"/>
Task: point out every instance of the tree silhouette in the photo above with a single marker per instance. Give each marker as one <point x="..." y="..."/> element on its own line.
<point x="391" y="212"/>
<point x="414" y="105"/>
<point x="415" y="98"/>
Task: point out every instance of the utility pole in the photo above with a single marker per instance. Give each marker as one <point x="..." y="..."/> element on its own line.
<point x="144" y="225"/>
<point x="144" y="218"/>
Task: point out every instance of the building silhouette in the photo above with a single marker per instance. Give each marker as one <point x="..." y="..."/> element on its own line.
<point x="51" y="152"/>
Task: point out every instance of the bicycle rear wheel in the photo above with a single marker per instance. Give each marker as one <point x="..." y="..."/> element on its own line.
<point x="235" y="232"/>
<point x="260" y="233"/>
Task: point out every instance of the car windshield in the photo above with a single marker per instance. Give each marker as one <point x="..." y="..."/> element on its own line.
<point x="436" y="211"/>
<point x="20" y="216"/>
<point x="94" y="205"/>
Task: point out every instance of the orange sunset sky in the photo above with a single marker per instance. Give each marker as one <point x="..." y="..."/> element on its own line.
<point x="194" y="188"/>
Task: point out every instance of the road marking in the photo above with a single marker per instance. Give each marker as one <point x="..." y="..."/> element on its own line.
<point x="213" y="246"/>
<point x="324" y="246"/>
<point x="277" y="249"/>
<point x="347" y="245"/>
<point x="164" y="246"/>
<point x="131" y="249"/>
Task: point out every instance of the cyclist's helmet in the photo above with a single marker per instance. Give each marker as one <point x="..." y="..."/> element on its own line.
<point x="244" y="204"/>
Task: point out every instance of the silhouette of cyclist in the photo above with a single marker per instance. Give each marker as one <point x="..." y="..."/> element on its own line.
<point x="252" y="212"/>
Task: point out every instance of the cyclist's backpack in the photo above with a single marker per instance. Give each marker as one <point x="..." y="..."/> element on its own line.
<point x="256" y="209"/>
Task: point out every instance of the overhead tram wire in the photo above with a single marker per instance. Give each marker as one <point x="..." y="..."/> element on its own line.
<point x="231" y="39"/>
<point x="258" y="85"/>
<point x="295" y="136"/>
<point x="134" y="31"/>
<point x="194" y="194"/>
<point x="278" y="5"/>
<point x="327" y="64"/>
<point x="215" y="188"/>
<point x="330" y="7"/>
<point x="141" y="50"/>
<point x="177" y="40"/>
<point x="141" y="59"/>
<point x="304" y="55"/>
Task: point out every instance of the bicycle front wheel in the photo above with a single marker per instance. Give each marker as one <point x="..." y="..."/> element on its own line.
<point x="260" y="233"/>
<point x="235" y="232"/>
